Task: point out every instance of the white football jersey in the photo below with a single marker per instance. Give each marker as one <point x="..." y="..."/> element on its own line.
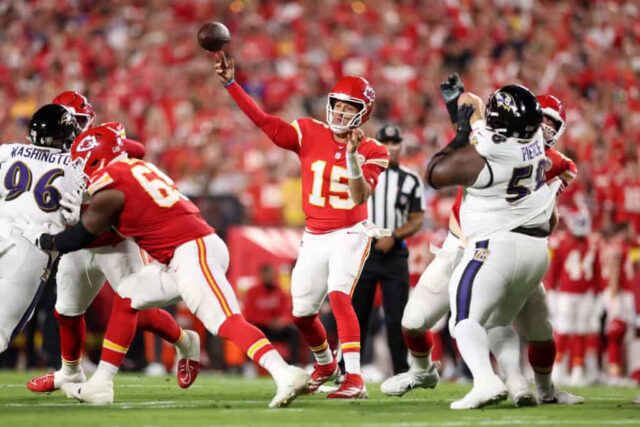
<point x="511" y="191"/>
<point x="32" y="181"/>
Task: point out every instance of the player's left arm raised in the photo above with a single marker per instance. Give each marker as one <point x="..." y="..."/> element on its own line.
<point x="103" y="211"/>
<point x="459" y="163"/>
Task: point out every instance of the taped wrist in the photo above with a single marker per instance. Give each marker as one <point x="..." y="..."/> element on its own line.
<point x="71" y="239"/>
<point x="354" y="171"/>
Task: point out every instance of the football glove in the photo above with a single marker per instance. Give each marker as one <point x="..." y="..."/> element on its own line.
<point x="451" y="89"/>
<point x="71" y="203"/>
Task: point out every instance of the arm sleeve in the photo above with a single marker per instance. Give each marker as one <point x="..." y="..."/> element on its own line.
<point x="134" y="149"/>
<point x="283" y="134"/>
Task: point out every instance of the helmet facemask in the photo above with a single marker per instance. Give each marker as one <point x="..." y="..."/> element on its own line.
<point x="348" y="121"/>
<point x="551" y="132"/>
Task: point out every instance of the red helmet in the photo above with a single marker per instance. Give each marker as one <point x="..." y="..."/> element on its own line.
<point x="553" y="110"/>
<point x="353" y="90"/>
<point x="79" y="106"/>
<point x="95" y="148"/>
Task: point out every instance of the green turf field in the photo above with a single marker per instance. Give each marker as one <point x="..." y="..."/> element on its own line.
<point x="216" y="400"/>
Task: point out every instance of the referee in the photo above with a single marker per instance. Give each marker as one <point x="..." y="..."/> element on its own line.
<point x="396" y="204"/>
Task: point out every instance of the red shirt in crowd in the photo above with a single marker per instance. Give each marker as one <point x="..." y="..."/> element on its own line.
<point x="264" y="305"/>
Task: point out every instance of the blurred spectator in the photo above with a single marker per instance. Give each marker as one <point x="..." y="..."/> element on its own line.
<point x="268" y="307"/>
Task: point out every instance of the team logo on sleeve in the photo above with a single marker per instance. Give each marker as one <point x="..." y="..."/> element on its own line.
<point x="506" y="102"/>
<point x="88" y="143"/>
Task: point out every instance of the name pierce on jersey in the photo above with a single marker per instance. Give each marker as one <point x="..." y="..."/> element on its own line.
<point x="41" y="154"/>
<point x="532" y="151"/>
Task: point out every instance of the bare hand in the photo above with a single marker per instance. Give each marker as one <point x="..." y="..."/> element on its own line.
<point x="225" y="69"/>
<point x="354" y="138"/>
<point x="385" y="244"/>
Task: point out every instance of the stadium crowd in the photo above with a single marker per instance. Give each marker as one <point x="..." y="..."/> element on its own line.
<point x="139" y="63"/>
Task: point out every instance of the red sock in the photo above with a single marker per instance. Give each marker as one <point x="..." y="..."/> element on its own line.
<point x="347" y="322"/>
<point x="615" y="340"/>
<point x="246" y="336"/>
<point x="420" y="345"/>
<point x="562" y="345"/>
<point x="120" y="331"/>
<point x="72" y="335"/>
<point x="542" y="354"/>
<point x="161" y="323"/>
<point x="592" y="344"/>
<point x="577" y="350"/>
<point x="313" y="332"/>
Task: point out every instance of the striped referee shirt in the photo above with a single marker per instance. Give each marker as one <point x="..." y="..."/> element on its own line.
<point x="398" y="193"/>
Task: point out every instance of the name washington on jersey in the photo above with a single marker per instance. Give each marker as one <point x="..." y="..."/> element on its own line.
<point x="41" y="154"/>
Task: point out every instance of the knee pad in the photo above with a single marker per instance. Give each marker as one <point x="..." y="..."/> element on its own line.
<point x="413" y="318"/>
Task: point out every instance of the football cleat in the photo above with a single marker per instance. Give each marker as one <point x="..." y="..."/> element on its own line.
<point x="353" y="387"/>
<point x="399" y="384"/>
<point x="189" y="361"/>
<point x="321" y="374"/>
<point x="98" y="392"/>
<point x="53" y="380"/>
<point x="289" y="386"/>
<point x="555" y="396"/>
<point x="480" y="397"/>
<point x="520" y="392"/>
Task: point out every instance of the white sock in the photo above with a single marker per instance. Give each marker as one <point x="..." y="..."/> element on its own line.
<point x="105" y="372"/>
<point x="70" y="368"/>
<point x="473" y="344"/>
<point x="352" y="362"/>
<point x="183" y="342"/>
<point x="324" y="357"/>
<point x="505" y="346"/>
<point x="420" y="363"/>
<point x="543" y="382"/>
<point x="273" y="362"/>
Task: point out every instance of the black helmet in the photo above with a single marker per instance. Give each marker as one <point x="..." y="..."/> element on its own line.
<point x="513" y="111"/>
<point x="53" y="126"/>
<point x="389" y="133"/>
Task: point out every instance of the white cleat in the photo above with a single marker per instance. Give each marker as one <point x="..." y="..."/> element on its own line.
<point x="96" y="392"/>
<point x="520" y="392"/>
<point x="555" y="396"/>
<point x="289" y="386"/>
<point x="480" y="397"/>
<point x="399" y="384"/>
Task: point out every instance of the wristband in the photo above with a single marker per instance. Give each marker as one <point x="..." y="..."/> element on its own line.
<point x="354" y="171"/>
<point x="229" y="83"/>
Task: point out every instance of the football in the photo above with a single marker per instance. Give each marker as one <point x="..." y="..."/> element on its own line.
<point x="212" y="36"/>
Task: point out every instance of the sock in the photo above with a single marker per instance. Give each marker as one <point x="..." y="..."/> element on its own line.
<point x="438" y="351"/>
<point x="562" y="345"/>
<point x="542" y="355"/>
<point x="316" y="337"/>
<point x="72" y="336"/>
<point x="348" y="330"/>
<point x="577" y="350"/>
<point x="420" y="345"/>
<point x="105" y="372"/>
<point x="473" y="345"/>
<point x="253" y="342"/>
<point x="615" y="340"/>
<point x="161" y="323"/>
<point x="505" y="346"/>
<point x="120" y="332"/>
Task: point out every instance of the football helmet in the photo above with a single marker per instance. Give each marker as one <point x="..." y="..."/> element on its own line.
<point x="95" y="148"/>
<point x="53" y="126"/>
<point x="79" y="106"/>
<point x="356" y="91"/>
<point x="552" y="109"/>
<point x="513" y="111"/>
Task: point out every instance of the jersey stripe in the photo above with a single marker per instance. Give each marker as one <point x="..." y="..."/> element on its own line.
<point x="362" y="261"/>
<point x="383" y="163"/>
<point x="100" y="183"/>
<point x="296" y="126"/>
<point x="202" y="257"/>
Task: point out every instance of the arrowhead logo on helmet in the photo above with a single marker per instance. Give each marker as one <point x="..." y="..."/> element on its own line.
<point x="87" y="143"/>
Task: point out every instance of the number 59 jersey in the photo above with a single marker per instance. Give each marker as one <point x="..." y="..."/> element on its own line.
<point x="511" y="191"/>
<point x="155" y="214"/>
<point x="32" y="182"/>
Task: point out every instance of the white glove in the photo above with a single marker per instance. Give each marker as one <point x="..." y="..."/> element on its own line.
<point x="376" y="232"/>
<point x="71" y="203"/>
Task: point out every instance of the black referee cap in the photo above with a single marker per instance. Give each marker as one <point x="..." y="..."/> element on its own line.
<point x="389" y="133"/>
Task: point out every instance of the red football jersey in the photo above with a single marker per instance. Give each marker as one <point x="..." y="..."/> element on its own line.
<point x="154" y="214"/>
<point x="325" y="187"/>
<point x="558" y="165"/>
<point x="575" y="266"/>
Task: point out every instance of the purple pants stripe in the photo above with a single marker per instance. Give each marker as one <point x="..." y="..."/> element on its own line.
<point x="465" y="287"/>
